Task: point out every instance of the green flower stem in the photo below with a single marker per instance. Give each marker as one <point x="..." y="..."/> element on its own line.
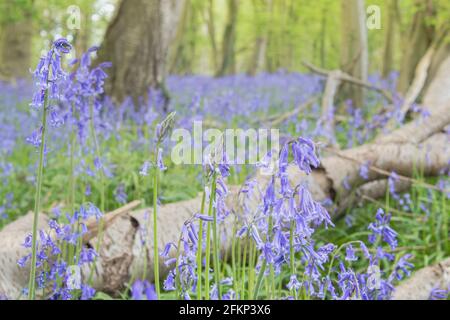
<point x="200" y="250"/>
<point x="98" y="155"/>
<point x="102" y="186"/>
<point x="208" y="235"/>
<point x="292" y="254"/>
<point x="243" y="265"/>
<point x="251" y="269"/>
<point x="72" y="166"/>
<point x="233" y="257"/>
<point x="264" y="265"/>
<point x="177" y="268"/>
<point x="37" y="203"/>
<point x="216" y="249"/>
<point x="155" y="224"/>
<point x="259" y="280"/>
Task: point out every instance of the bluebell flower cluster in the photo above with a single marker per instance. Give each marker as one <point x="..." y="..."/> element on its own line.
<point x="54" y="275"/>
<point x="284" y="206"/>
<point x="143" y="290"/>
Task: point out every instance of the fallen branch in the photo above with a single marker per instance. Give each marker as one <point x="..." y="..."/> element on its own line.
<point x="327" y="118"/>
<point x="420" y="77"/>
<point x="93" y="226"/>
<point x="276" y="119"/>
<point x="348" y="78"/>
<point x="280" y="119"/>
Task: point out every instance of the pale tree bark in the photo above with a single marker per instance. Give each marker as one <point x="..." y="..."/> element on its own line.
<point x="229" y="40"/>
<point x="442" y="52"/>
<point x="416" y="87"/>
<point x="16" y="34"/>
<point x="422" y="282"/>
<point x="259" y="56"/>
<point x="354" y="47"/>
<point x="137" y="43"/>
<point x="416" y="42"/>
<point x="439" y="84"/>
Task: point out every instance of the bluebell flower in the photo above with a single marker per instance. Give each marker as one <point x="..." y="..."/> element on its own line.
<point x="364" y="170"/>
<point x="62" y="46"/>
<point x="204" y="217"/>
<point x="87" y="255"/>
<point x="350" y="253"/>
<point x="144" y="169"/>
<point x="87" y="190"/>
<point x="87" y="292"/>
<point x="120" y="194"/>
<point x="304" y="153"/>
<point x="269" y="199"/>
<point x="167" y="247"/>
<point x="403" y="267"/>
<point x="381" y="228"/>
<point x="27" y="242"/>
<point x="143" y="290"/>
<point x="169" y="283"/>
<point x="227" y="281"/>
<point x="255" y="235"/>
<point x="35" y="139"/>
<point x="242" y="231"/>
<point x="224" y="166"/>
<point x="294" y="284"/>
<point x="229" y="295"/>
<point x="392" y="180"/>
<point x="439" y="294"/>
<point x="214" y="292"/>
<point x="22" y="261"/>
<point x="159" y="162"/>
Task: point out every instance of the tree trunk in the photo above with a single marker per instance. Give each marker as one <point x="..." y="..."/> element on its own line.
<point x="137" y="43"/>
<point x="212" y="33"/>
<point x="229" y="40"/>
<point x="388" y="50"/>
<point x="83" y="35"/>
<point x="354" y="47"/>
<point x="441" y="55"/>
<point x="417" y="41"/>
<point x="258" y="58"/>
<point x="182" y="54"/>
<point x="16" y="35"/>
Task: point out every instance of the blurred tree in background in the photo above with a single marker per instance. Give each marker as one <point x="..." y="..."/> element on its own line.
<point x="220" y="37"/>
<point x="16" y="34"/>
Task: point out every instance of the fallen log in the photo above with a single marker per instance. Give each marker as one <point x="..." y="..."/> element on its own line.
<point x="423" y="281"/>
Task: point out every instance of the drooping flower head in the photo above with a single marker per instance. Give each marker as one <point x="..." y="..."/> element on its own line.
<point x="304" y="152"/>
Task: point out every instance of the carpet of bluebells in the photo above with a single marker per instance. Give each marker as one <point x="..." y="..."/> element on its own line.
<point x="97" y="156"/>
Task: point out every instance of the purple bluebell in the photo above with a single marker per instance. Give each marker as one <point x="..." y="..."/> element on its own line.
<point x="304" y="152"/>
